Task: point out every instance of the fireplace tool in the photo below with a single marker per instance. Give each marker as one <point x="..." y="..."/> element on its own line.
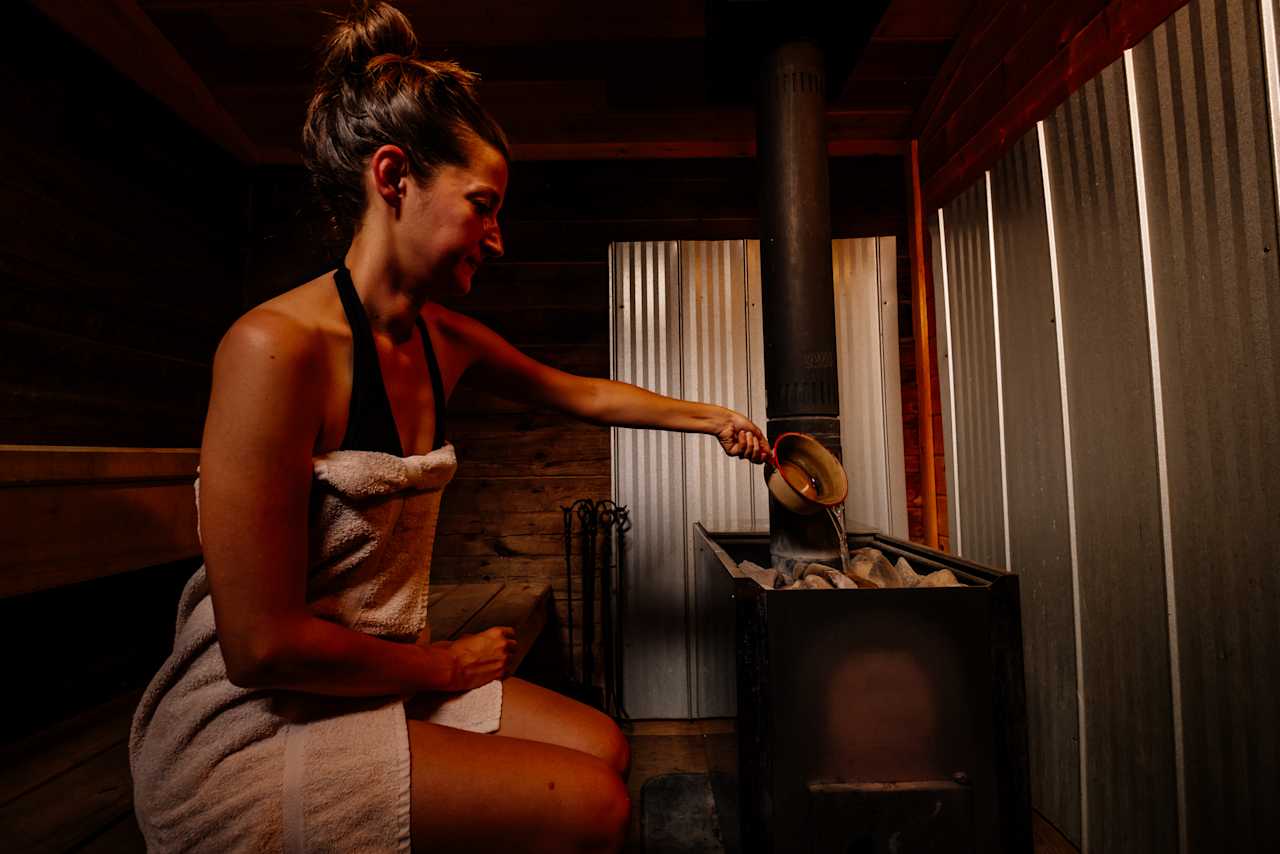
<point x="608" y="522"/>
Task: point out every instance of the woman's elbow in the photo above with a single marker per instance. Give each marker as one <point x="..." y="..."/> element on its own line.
<point x="589" y="400"/>
<point x="255" y="665"/>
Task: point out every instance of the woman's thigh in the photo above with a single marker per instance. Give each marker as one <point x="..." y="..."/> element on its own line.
<point x="537" y="714"/>
<point x="491" y="792"/>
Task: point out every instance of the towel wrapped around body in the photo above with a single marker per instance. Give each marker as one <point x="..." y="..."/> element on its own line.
<point x="220" y="768"/>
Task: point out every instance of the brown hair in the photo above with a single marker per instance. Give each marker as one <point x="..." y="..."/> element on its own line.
<point x="373" y="90"/>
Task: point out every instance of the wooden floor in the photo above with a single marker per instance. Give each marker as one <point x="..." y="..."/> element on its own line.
<point x="89" y="808"/>
<point x="674" y="747"/>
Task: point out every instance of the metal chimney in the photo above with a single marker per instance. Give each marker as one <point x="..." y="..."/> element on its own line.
<point x="798" y="53"/>
<point x="801" y="382"/>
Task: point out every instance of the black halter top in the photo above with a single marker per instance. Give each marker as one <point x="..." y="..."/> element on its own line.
<point x="371" y="426"/>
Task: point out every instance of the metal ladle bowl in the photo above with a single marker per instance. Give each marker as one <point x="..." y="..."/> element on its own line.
<point x="804" y="476"/>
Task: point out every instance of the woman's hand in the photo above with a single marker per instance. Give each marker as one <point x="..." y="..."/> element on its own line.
<point x="481" y="658"/>
<point x="740" y="438"/>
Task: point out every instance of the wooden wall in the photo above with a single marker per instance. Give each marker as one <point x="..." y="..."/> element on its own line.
<point x="502" y="516"/>
<point x="911" y="443"/>
<point x="120" y="267"/>
<point x="119" y="257"/>
<point x="132" y="243"/>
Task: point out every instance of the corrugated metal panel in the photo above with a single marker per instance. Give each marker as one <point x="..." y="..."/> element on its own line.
<point x="716" y="369"/>
<point x="646" y="477"/>
<point x="688" y="323"/>
<point x="890" y="353"/>
<point x="1130" y="772"/>
<point x="755" y="355"/>
<point x="866" y="310"/>
<point x="1271" y="52"/>
<point x="1202" y="102"/>
<point x="979" y="478"/>
<point x="946" y="378"/>
<point x="1039" y="543"/>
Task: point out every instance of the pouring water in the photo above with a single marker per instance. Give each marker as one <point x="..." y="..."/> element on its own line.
<point x="837" y="519"/>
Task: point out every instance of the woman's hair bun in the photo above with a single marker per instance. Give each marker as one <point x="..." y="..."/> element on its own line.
<point x="374" y="90"/>
<point x="370" y="29"/>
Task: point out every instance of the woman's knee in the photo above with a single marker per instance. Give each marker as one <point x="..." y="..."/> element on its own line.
<point x="606" y="814"/>
<point x="616" y="750"/>
<point x="601" y="738"/>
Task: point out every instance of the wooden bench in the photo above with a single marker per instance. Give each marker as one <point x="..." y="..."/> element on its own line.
<point x="68" y="788"/>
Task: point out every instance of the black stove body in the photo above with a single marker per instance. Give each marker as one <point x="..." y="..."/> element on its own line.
<point x="869" y="720"/>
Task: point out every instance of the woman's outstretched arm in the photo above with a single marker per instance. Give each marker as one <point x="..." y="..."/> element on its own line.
<point x="496" y="365"/>
<point x="265" y="414"/>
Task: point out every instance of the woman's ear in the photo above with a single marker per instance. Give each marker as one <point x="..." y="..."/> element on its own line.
<point x="389" y="169"/>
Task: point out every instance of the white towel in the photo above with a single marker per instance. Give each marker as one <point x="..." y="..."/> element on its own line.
<point x="219" y="768"/>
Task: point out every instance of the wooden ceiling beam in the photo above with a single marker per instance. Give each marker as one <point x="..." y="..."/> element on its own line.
<point x="122" y="34"/>
<point x="688" y="149"/>
<point x="1026" y="31"/>
<point x="920" y="20"/>
<point x="497" y="22"/>
<point x="975" y="25"/>
<point x="959" y="155"/>
<point x="644" y="150"/>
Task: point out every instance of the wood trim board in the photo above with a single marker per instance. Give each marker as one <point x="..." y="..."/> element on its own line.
<point x="78" y="513"/>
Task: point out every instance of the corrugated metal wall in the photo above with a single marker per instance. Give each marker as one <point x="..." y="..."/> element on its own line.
<point x="1114" y="466"/>
<point x="1207" y="155"/>
<point x="1137" y="298"/>
<point x="1039" y="536"/>
<point x="946" y="373"/>
<point x="722" y="493"/>
<point x="647" y="477"/>
<point x="870" y="386"/>
<point x="687" y="322"/>
<point x="979" y="474"/>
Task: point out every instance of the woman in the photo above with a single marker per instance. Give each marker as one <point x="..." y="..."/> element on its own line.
<point x="281" y="719"/>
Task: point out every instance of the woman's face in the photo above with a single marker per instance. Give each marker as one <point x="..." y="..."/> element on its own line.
<point x="452" y="221"/>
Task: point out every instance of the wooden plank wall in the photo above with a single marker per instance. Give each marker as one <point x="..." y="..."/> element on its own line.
<point x="501" y="518"/>
<point x="136" y="243"/>
<point x="908" y="363"/>
<point x="120" y="266"/>
<point x="119" y="257"/>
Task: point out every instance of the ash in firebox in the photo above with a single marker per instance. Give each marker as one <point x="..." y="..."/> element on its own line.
<point x="868" y="567"/>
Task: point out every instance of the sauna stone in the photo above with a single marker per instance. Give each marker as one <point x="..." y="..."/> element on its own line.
<point x="840" y="580"/>
<point x="870" y="568"/>
<point x="808" y="569"/>
<point x="940" y="578"/>
<point x="766" y="578"/>
<point x="833" y="577"/>
<point x="906" y="576"/>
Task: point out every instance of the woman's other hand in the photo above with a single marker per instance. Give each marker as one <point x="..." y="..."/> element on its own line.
<point x="482" y="658"/>
<point x="740" y="438"/>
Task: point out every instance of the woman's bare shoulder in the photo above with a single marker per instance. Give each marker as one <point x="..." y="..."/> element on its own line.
<point x="291" y="327"/>
<point x="453" y="324"/>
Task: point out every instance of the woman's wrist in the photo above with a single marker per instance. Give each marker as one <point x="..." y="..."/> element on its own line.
<point x="713" y="418"/>
<point x="438" y="668"/>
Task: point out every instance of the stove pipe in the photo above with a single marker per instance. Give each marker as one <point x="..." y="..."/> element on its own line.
<point x="801" y="382"/>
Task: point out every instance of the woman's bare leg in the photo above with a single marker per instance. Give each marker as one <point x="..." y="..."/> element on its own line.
<point x="536" y="714"/>
<point x="496" y="793"/>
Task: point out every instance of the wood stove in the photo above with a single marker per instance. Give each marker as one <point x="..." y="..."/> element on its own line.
<point x="868" y="720"/>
